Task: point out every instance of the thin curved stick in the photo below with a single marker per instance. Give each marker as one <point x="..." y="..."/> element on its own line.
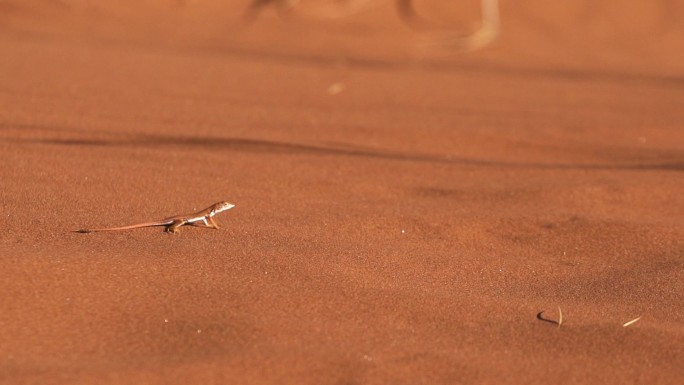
<point x="631" y="322"/>
<point x="560" y="317"/>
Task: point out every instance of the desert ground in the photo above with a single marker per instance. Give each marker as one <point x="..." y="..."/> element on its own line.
<point x="412" y="205"/>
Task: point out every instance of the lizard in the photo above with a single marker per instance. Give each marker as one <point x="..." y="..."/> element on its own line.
<point x="172" y="224"/>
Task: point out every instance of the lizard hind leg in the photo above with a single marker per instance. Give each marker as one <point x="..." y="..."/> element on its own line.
<point x="174" y="226"/>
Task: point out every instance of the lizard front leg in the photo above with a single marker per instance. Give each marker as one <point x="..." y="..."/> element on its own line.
<point x="206" y="221"/>
<point x="213" y="224"/>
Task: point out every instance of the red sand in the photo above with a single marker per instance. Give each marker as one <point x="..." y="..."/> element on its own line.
<point x="405" y="229"/>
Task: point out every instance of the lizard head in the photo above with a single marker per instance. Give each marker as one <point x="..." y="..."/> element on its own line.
<point x="223" y="206"/>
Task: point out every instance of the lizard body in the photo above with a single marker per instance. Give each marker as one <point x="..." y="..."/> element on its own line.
<point x="202" y="217"/>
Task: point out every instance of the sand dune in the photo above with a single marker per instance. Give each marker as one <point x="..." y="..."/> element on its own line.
<point x="403" y="210"/>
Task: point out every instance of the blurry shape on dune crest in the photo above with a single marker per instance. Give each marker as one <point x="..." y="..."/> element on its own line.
<point x="431" y="36"/>
<point x="329" y="9"/>
<point x="256" y="6"/>
<point x="443" y="38"/>
<point x="335" y="88"/>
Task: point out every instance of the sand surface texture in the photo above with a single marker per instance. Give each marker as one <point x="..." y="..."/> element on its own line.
<point x="404" y="208"/>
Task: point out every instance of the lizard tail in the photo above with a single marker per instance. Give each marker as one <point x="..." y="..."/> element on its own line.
<point x="138" y="226"/>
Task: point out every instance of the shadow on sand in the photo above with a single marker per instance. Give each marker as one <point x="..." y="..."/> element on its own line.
<point x="212" y="143"/>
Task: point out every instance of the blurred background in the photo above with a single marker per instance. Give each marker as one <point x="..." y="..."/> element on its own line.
<point x="626" y="36"/>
